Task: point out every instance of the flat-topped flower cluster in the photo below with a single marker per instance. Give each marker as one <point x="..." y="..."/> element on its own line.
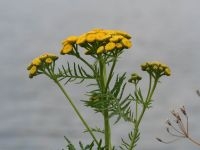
<point x="97" y="41"/>
<point x="39" y="63"/>
<point x="156" y="68"/>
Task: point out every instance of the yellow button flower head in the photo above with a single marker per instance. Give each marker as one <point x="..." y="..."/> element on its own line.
<point x="135" y="78"/>
<point x="81" y="39"/>
<point x="110" y="46"/>
<point x="36" y="62"/>
<point x="48" y="60"/>
<point x="43" y="56"/>
<point x="119" y="45"/>
<point x="40" y="63"/>
<point x="116" y="38"/>
<point x="32" y="71"/>
<point x="127" y="43"/>
<point x="156" y="68"/>
<point x="90" y="37"/>
<point x="167" y="71"/>
<point x="124" y="34"/>
<point x="71" y="39"/>
<point x="66" y="49"/>
<point x="100" y="50"/>
<point x="101" y="36"/>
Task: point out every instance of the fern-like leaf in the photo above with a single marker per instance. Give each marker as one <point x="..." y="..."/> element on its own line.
<point x="132" y="141"/>
<point x="74" y="73"/>
<point x="69" y="146"/>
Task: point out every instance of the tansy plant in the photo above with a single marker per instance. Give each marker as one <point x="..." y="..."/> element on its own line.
<point x="107" y="97"/>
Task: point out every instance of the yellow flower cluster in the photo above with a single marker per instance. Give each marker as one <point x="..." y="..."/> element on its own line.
<point x="98" y="41"/>
<point x="156" y="68"/>
<point x="135" y="78"/>
<point x="39" y="62"/>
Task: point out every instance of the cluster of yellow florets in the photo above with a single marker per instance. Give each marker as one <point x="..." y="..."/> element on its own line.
<point x="39" y="62"/>
<point x="98" y="41"/>
<point x="135" y="78"/>
<point x="156" y="68"/>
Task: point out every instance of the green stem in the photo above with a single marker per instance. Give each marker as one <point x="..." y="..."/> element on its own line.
<point x="107" y="131"/>
<point x="145" y="106"/>
<point x="103" y="81"/>
<point x="136" y="105"/>
<point x="111" y="73"/>
<point x="83" y="60"/>
<point x="76" y="110"/>
<point x="150" y="82"/>
<point x="91" y="67"/>
<point x="153" y="89"/>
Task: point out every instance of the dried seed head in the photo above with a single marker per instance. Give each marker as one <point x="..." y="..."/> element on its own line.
<point x="169" y="123"/>
<point x="167" y="129"/>
<point x="183" y="110"/>
<point x="198" y="92"/>
<point x="160" y="140"/>
<point x="178" y="117"/>
<point x="174" y="113"/>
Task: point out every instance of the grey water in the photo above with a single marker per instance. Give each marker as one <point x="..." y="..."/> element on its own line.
<point x="34" y="114"/>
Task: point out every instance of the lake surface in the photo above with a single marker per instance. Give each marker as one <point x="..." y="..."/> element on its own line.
<point x="34" y="114"/>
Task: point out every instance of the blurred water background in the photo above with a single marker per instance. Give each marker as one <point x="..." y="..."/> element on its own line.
<point x="34" y="115"/>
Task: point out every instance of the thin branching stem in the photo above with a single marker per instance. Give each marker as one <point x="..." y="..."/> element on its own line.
<point x="136" y="105"/>
<point x="95" y="72"/>
<point x="76" y="110"/>
<point x="193" y="141"/>
<point x="145" y="106"/>
<point x="111" y="73"/>
<point x="150" y="84"/>
<point x="83" y="60"/>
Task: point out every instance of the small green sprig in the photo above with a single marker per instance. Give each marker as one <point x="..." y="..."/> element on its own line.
<point x="155" y="70"/>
